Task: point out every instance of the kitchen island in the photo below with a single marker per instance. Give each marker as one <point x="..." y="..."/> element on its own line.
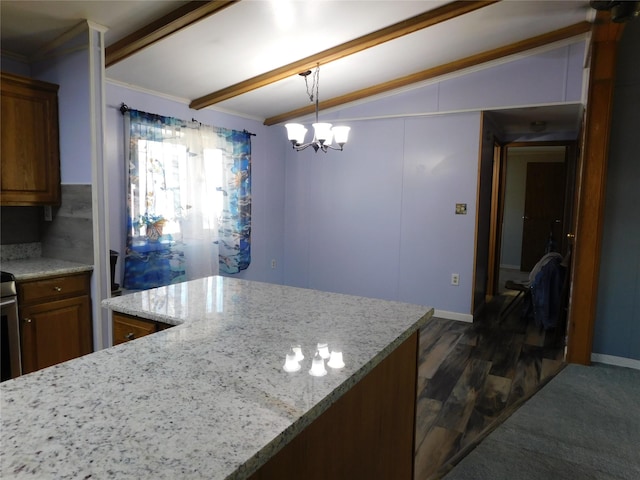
<point x="209" y="398"/>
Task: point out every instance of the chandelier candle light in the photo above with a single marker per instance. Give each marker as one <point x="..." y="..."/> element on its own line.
<point x="323" y="133"/>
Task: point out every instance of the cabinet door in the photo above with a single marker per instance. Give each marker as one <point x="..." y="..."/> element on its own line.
<point x="127" y="328"/>
<point x="55" y="332"/>
<point x="30" y="158"/>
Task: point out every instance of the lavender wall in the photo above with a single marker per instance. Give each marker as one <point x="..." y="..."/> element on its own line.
<point x="15" y="65"/>
<point x="69" y="68"/>
<point x="545" y="78"/>
<point x="379" y="218"/>
<point x="343" y="213"/>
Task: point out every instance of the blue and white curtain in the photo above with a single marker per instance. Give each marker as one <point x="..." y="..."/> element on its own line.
<point x="188" y="200"/>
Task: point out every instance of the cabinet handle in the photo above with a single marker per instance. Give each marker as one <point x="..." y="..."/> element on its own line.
<point x="27" y="320"/>
<point x="57" y="289"/>
<point x="130" y="336"/>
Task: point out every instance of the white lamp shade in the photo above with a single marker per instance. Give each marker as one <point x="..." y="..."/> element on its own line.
<point x="329" y="139"/>
<point x="322" y="131"/>
<point x="298" y="351"/>
<point x="291" y="364"/>
<point x="296" y="132"/>
<point x="336" y="360"/>
<point x="317" y="366"/>
<point x="323" y="350"/>
<point x="341" y="134"/>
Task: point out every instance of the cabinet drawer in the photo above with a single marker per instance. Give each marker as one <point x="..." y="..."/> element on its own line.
<point x="126" y="328"/>
<point x="52" y="288"/>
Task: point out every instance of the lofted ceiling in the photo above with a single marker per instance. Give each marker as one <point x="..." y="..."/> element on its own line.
<point x="243" y="56"/>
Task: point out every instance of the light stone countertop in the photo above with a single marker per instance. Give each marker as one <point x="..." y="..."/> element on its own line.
<point x="41" y="267"/>
<point x="207" y="399"/>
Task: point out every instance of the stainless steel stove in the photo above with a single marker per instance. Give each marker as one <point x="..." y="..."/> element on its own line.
<point x="10" y="365"/>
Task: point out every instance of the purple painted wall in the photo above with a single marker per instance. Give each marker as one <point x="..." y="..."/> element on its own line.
<point x="13" y="65"/>
<point x="544" y="78"/>
<point x="70" y="70"/>
<point x="379" y="218"/>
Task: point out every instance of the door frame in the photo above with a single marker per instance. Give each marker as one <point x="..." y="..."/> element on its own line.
<point x="497" y="201"/>
<point x="591" y="188"/>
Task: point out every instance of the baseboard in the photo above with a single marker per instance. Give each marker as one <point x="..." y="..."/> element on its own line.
<point x="510" y="267"/>
<point x="617" y="361"/>
<point x="462" y="317"/>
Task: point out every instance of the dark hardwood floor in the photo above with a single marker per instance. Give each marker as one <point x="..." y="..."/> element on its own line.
<point x="471" y="377"/>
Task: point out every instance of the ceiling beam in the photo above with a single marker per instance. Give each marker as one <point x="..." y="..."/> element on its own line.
<point x="174" y="21"/>
<point x="405" y="27"/>
<point x="471" y="61"/>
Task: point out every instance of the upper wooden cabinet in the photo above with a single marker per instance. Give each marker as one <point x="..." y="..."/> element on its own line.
<point x="30" y="155"/>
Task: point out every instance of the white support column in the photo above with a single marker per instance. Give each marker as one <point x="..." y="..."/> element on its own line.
<point x="101" y="274"/>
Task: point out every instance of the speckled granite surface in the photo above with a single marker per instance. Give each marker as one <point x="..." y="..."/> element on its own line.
<point x="207" y="399"/>
<point x="30" y="268"/>
<point x="19" y="251"/>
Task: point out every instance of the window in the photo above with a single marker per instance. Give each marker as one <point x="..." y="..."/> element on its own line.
<point x="189" y="201"/>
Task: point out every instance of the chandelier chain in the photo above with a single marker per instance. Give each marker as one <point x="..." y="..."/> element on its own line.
<point x="313" y="92"/>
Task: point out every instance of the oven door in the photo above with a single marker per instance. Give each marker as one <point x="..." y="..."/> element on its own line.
<point x="10" y="336"/>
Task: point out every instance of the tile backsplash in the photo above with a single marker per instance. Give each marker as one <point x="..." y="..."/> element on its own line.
<point x="69" y="236"/>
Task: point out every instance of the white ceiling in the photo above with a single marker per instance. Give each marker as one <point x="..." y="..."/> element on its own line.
<point x="252" y="37"/>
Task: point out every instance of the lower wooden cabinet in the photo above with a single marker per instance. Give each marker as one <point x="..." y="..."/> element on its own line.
<point x="55" y="320"/>
<point x="129" y="327"/>
<point x="366" y="433"/>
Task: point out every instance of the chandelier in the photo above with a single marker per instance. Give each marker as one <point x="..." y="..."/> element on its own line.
<point x="323" y="133"/>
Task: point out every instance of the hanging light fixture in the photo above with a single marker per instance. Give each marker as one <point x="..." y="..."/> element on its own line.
<point x="323" y="133"/>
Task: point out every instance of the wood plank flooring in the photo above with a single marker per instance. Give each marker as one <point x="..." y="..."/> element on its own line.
<point x="471" y="377"/>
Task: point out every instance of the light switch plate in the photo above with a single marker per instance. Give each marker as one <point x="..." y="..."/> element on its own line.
<point x="461" y="208"/>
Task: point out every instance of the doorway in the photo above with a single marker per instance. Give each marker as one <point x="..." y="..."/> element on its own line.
<point x="536" y="180"/>
<point x="531" y="217"/>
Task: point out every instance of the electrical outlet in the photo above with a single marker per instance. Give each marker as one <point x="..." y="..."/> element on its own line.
<point x="455" y="279"/>
<point x="273" y="263"/>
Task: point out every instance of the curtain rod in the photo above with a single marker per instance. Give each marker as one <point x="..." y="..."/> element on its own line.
<point x="124" y="108"/>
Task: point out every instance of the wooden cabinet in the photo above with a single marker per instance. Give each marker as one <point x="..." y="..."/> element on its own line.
<point x="129" y="327"/>
<point x="55" y="320"/>
<point x="29" y="152"/>
<point x="366" y="433"/>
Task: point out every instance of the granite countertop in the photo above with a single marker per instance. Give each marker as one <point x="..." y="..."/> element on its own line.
<point x="208" y="398"/>
<point x="41" y="267"/>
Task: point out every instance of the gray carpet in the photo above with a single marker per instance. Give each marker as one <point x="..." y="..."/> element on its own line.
<point x="584" y="424"/>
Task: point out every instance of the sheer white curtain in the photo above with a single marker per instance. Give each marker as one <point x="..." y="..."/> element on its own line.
<point x="202" y="203"/>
